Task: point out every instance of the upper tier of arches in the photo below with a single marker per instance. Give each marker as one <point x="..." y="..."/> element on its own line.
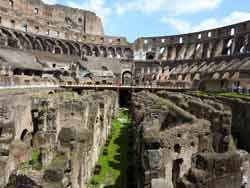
<point x="225" y="41"/>
<point x="29" y="41"/>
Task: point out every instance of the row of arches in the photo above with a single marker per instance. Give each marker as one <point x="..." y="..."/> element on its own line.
<point x="202" y="50"/>
<point x="26" y="41"/>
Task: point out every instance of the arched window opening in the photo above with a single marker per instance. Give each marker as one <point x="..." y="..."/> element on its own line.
<point x="24" y="133"/>
<point x="177" y="148"/>
<point x="36" y="11"/>
<point x="209" y="34"/>
<point x="150" y="55"/>
<point x="13" y="23"/>
<point x="37" y="29"/>
<point x="232" y="33"/>
<point x="11" y="3"/>
<point x="180" y="40"/>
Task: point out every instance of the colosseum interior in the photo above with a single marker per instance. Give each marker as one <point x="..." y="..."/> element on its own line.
<point x="79" y="109"/>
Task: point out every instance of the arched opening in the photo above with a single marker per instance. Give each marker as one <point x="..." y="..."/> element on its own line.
<point x="127" y="78"/>
<point x="57" y="50"/>
<point x="36" y="11"/>
<point x="66" y="73"/>
<point x="128" y="53"/>
<point x="119" y="52"/>
<point x="176" y="171"/>
<point x="63" y="47"/>
<point x="111" y="52"/>
<point x="11" y="3"/>
<point x="37" y="46"/>
<point x="71" y="48"/>
<point x="227" y="49"/>
<point x="17" y="72"/>
<point x="150" y="55"/>
<point x="103" y="51"/>
<point x="24" y="134"/>
<point x="86" y="50"/>
<point x="177" y="148"/>
<point x="96" y="51"/>
<point x="49" y="45"/>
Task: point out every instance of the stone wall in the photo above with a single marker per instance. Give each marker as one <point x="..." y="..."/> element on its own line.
<point x="65" y="130"/>
<point x="176" y="134"/>
<point x="55" y="20"/>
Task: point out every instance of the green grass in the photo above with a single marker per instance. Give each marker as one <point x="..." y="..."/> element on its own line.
<point x="35" y="161"/>
<point x="222" y="94"/>
<point x="114" y="165"/>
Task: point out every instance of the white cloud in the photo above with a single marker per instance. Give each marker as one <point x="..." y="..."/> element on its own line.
<point x="50" y="2"/>
<point x="172" y="7"/>
<point x="183" y="26"/>
<point x="97" y="6"/>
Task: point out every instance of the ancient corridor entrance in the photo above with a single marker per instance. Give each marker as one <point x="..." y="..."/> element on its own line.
<point x="125" y="98"/>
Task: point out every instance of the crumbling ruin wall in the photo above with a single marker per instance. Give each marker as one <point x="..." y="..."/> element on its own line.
<point x="67" y="132"/>
<point x="172" y="130"/>
<point x="15" y="126"/>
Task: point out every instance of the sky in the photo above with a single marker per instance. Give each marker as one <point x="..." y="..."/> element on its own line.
<point x="145" y="18"/>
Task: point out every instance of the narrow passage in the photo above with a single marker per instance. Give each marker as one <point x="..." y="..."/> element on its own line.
<point x="115" y="157"/>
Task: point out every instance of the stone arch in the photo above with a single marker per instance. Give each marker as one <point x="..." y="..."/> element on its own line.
<point x="150" y="55"/>
<point x="188" y="77"/>
<point x="37" y="45"/>
<point x="199" y="50"/>
<point x="127" y="78"/>
<point x="24" y="134"/>
<point x="180" y="52"/>
<point x="65" y="49"/>
<point x="196" y="77"/>
<point x="128" y="53"/>
<point x="57" y="50"/>
<point x="172" y="53"/>
<point x="247" y="43"/>
<point x="30" y="38"/>
<point x="103" y="51"/>
<point x="240" y="47"/>
<point x="24" y="42"/>
<point x="111" y="52"/>
<point x="228" y="46"/>
<point x="77" y="48"/>
<point x="216" y="76"/>
<point x="17" y="71"/>
<point x="49" y="45"/>
<point x="86" y="50"/>
<point x="217" y="48"/>
<point x="72" y="50"/>
<point x="66" y="73"/>
<point x="41" y="42"/>
<point x="119" y="53"/>
<point x="96" y="51"/>
<point x="7" y="33"/>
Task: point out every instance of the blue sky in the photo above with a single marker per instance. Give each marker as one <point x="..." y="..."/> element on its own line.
<point x="137" y="18"/>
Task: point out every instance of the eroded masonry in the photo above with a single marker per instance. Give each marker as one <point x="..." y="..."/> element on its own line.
<point x="63" y="81"/>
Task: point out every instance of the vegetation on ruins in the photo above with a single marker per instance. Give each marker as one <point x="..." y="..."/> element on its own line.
<point x="35" y="161"/>
<point x="114" y="158"/>
<point x="221" y="94"/>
